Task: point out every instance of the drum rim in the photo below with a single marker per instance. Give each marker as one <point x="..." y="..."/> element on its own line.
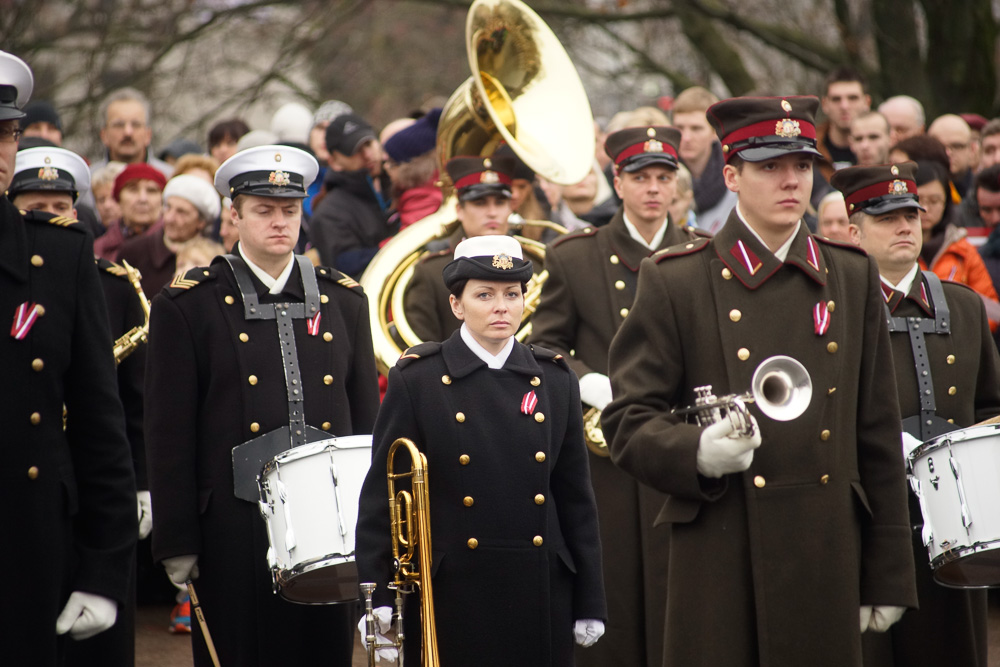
<point x="951" y="437"/>
<point x="339" y="443"/>
<point x="954" y="555"/>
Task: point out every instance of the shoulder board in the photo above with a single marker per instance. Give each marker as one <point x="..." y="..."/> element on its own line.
<point x="698" y="232"/>
<point x="182" y="283"/>
<point x="447" y="252"/>
<point x="545" y="354"/>
<point x="586" y="232"/>
<point x="110" y="267"/>
<point x="417" y="352"/>
<point x="342" y="279"/>
<point x="839" y="244"/>
<point x="57" y="220"/>
<point x="681" y="249"/>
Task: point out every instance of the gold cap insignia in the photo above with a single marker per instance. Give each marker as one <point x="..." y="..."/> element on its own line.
<point x="650" y="132"/>
<point x="503" y="261"/>
<point x="279" y="178"/>
<point x="48" y="174"/>
<point x="277" y="157"/>
<point x="489" y="177"/>
<point x="488" y="163"/>
<point x="898" y="187"/>
<point x="786" y="106"/>
<point x="652" y="146"/>
<point x="894" y="170"/>
<point x="787" y="128"/>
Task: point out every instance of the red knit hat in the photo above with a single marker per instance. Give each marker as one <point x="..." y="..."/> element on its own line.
<point x="139" y="171"/>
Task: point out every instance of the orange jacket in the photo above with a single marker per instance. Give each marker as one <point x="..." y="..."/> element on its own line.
<point x="959" y="261"/>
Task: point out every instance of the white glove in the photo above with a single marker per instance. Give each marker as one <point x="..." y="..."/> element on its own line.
<point x="595" y="390"/>
<point x="722" y="451"/>
<point x="587" y="631"/>
<point x="86" y="615"/>
<point x="181" y="568"/>
<point x="383" y="621"/>
<point x="909" y="444"/>
<point x="145" y="514"/>
<point x="878" y="619"/>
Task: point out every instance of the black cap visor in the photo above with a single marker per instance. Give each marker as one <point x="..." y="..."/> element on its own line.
<point x="644" y="160"/>
<point x="482" y="190"/>
<point x="886" y="203"/>
<point x="762" y="153"/>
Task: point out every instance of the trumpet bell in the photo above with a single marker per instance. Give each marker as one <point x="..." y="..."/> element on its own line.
<point x="781" y="388"/>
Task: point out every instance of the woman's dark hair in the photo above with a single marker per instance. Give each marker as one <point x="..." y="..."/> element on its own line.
<point x="459" y="287"/>
<point x="932" y="170"/>
<point x="924" y="148"/>
<point x="231" y="129"/>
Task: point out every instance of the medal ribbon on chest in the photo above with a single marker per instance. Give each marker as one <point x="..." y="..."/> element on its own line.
<point x="24" y="318"/>
<point x="529" y="402"/>
<point x="821" y="318"/>
<point x="312" y="324"/>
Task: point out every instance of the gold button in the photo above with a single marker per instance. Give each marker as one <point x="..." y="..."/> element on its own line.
<point x="535" y="381"/>
<point x="37" y="365"/>
<point x="689" y="246"/>
<point x="205" y="272"/>
<point x="824" y="434"/>
<point x="830" y="305"/>
<point x="328" y="336"/>
<point x="735" y="315"/>
<point x="829" y="392"/>
<point x="445" y="379"/>
<point x="473" y="543"/>
<point x="951" y="359"/>
<point x="36" y="418"/>
<point x="252" y="380"/>
<point x="230" y="300"/>
<point x="614" y="259"/>
<point x="727" y="274"/>
<point x="36" y="260"/>
<point x="324" y="298"/>
<point x="619" y="285"/>
<point x="244" y="338"/>
<point x="254" y="427"/>
<point x="327" y="379"/>
<point x="33" y="472"/>
<point x="464" y="459"/>
<point x="326" y="426"/>
<point x="539" y="499"/>
<point x="759" y="482"/>
<point x="540" y="457"/>
<point x="537" y="541"/>
<point x="743" y="354"/>
<point x="623" y="312"/>
<point x="539" y="417"/>
<point x="951" y="421"/>
<point x="824" y="479"/>
<point x="952" y="391"/>
<point x="460" y="417"/>
<point x="831" y="347"/>
<point x="322" y="271"/>
<point x="468" y="501"/>
<point x="40" y="310"/>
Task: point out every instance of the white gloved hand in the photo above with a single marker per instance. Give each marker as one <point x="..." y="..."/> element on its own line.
<point x="879" y="618"/>
<point x="145" y="514"/>
<point x="86" y="615"/>
<point x="587" y="631"/>
<point x="383" y="622"/>
<point x="595" y="390"/>
<point x="909" y="444"/>
<point x="181" y="568"/>
<point x="721" y="451"/>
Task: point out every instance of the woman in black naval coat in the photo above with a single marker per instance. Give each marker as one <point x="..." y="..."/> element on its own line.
<point x="516" y="554"/>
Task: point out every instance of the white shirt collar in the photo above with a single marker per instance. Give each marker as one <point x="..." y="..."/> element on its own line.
<point x="494" y="362"/>
<point x="906" y="283"/>
<point x="273" y="285"/>
<point x="782" y="252"/>
<point x="633" y="231"/>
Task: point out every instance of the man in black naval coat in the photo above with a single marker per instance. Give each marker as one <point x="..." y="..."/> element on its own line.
<point x="947" y="376"/>
<point x="73" y="529"/>
<point x="588" y="294"/>
<point x="216" y="378"/>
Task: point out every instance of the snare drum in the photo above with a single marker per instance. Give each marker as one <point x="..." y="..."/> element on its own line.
<point x="956" y="477"/>
<point x="309" y="501"/>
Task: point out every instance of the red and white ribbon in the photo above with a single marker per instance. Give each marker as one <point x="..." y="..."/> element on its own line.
<point x="529" y="402"/>
<point x="312" y="324"/>
<point x="821" y="318"/>
<point x="24" y="318"/>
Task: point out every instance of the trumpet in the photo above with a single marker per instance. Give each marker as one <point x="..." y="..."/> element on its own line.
<point x="781" y="388"/>
<point x="411" y="556"/>
<point x="131" y="339"/>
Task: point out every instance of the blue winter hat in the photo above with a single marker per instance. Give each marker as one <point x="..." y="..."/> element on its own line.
<point x="414" y="140"/>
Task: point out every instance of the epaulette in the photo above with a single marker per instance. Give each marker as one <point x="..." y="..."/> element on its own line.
<point x="182" y="283"/>
<point x="545" y="354"/>
<point x="699" y="232"/>
<point x="586" y="232"/>
<point x="417" y="352"/>
<point x="110" y="267"/>
<point x="342" y="279"/>
<point x="681" y="249"/>
<point x="839" y="244"/>
<point x="439" y="253"/>
<point x="57" y="220"/>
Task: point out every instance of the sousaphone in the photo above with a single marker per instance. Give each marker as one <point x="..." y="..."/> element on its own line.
<point x="523" y="91"/>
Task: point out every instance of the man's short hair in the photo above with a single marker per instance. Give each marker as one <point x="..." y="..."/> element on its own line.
<point x="694" y="99"/>
<point x="231" y="129"/>
<point x="857" y="218"/>
<point x="641" y="117"/>
<point x="991" y="128"/>
<point x="871" y="112"/>
<point x="126" y="95"/>
<point x="989" y="179"/>
<point x="845" y="75"/>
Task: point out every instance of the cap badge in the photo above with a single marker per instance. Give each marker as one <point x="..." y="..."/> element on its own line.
<point x="787" y="127"/>
<point x="652" y="146"/>
<point x="894" y="170"/>
<point x="503" y="261"/>
<point x="786" y="106"/>
<point x="898" y="187"/>
<point x="48" y="174"/>
<point x="279" y="178"/>
<point x="489" y="177"/>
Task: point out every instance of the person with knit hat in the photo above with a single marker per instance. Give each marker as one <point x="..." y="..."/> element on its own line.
<point x="189" y="205"/>
<point x="138" y="190"/>
<point x="42" y="120"/>
<point x="412" y="167"/>
<point x="517" y="576"/>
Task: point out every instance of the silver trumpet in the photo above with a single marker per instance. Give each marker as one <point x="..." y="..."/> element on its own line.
<point x="781" y="388"/>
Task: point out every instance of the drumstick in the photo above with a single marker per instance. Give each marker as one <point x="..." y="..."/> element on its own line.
<point x="201" y="621"/>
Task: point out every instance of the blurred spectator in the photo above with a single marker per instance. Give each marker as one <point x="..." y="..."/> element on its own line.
<point x="989" y="144"/>
<point x="42" y="120"/>
<point x="326" y="113"/>
<point x="988" y="199"/>
<point x="412" y="166"/>
<point x="102" y="185"/>
<point x="869" y="138"/>
<point x="832" y="219"/>
<point x="138" y="191"/>
<point x="956" y="135"/>
<point x="845" y="96"/>
<point x="202" y="166"/>
<point x="905" y="115"/>
<point x="223" y="136"/>
<point x="177" y="149"/>
<point x="126" y="133"/>
<point x="228" y="233"/>
<point x="701" y="153"/>
<point x="680" y="210"/>
<point x="292" y="123"/>
<point x="920" y="148"/>
<point x="255" y="138"/>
